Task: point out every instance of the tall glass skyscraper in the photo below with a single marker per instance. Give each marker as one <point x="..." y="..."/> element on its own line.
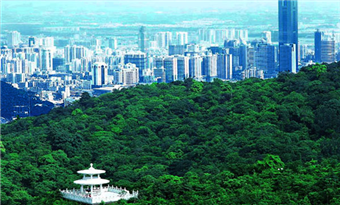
<point x="317" y="45"/>
<point x="142" y="39"/>
<point x="288" y="26"/>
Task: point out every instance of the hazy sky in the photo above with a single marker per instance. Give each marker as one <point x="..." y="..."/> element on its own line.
<point x="248" y="5"/>
<point x="177" y="7"/>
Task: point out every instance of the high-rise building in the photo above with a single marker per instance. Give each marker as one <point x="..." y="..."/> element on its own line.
<point x="159" y="74"/>
<point x="209" y="69"/>
<point x="338" y="57"/>
<point x="252" y="72"/>
<point x="181" y="38"/>
<point x="32" y="41"/>
<point x="130" y="74"/>
<point x="13" y="39"/>
<point x="287" y="59"/>
<point x="80" y="52"/>
<point x="221" y="35"/>
<point x="265" y="58"/>
<point x="47" y="42"/>
<point x="224" y="66"/>
<point x="158" y="62"/>
<point x="328" y="50"/>
<point x="303" y="51"/>
<point x="99" y="74"/>
<point x="267" y="36"/>
<point x="113" y="43"/>
<point x="241" y="34"/>
<point x="231" y="34"/>
<point x="288" y="29"/>
<point x="324" y="44"/>
<point x="317" y="45"/>
<point x="195" y="66"/>
<point x="182" y="67"/>
<point x="244" y="56"/>
<point x="163" y="39"/>
<point x="58" y="62"/>
<point x="216" y="50"/>
<point x="46" y="59"/>
<point x="208" y="35"/>
<point x="74" y="52"/>
<point x="67" y="54"/>
<point x="96" y="43"/>
<point x="212" y="36"/>
<point x="170" y="65"/>
<point x="142" y="39"/>
<point x="139" y="59"/>
<point x="176" y="50"/>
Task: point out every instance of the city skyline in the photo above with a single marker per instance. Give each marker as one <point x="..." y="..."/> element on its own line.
<point x="59" y="58"/>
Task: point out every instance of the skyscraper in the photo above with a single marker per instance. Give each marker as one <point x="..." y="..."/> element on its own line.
<point x="176" y="50"/>
<point x="163" y="39"/>
<point x="288" y="27"/>
<point x="159" y="74"/>
<point x="170" y="65"/>
<point x="13" y="39"/>
<point x="46" y="59"/>
<point x="130" y="74"/>
<point x="142" y="39"/>
<point x="324" y="44"/>
<point x="195" y="66"/>
<point x="138" y="58"/>
<point x="224" y="66"/>
<point x="99" y="74"/>
<point x="182" y="38"/>
<point x="328" y="50"/>
<point x="182" y="67"/>
<point x="209" y="68"/>
<point x="288" y="21"/>
<point x="287" y="58"/>
<point x="244" y="56"/>
<point x="113" y="43"/>
<point x="265" y="57"/>
<point x="317" y="45"/>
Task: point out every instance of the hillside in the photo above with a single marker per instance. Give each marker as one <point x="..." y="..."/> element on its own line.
<point x="25" y="101"/>
<point x="256" y="141"/>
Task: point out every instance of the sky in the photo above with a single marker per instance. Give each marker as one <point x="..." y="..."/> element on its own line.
<point x="27" y="8"/>
<point x="163" y="5"/>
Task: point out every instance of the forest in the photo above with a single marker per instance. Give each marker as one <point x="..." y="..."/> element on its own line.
<point x="273" y="141"/>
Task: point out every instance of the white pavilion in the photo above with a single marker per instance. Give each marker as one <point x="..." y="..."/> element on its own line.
<point x="92" y="190"/>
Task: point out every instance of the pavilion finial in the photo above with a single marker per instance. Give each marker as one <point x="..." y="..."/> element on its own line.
<point x="91" y="165"/>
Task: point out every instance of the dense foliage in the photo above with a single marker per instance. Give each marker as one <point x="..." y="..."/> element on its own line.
<point x="272" y="141"/>
<point x="11" y="97"/>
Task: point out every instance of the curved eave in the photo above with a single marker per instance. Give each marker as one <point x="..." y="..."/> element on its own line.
<point x="91" y="181"/>
<point x="96" y="171"/>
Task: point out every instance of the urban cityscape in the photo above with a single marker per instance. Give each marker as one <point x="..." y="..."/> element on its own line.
<point x="60" y="63"/>
<point x="221" y="102"/>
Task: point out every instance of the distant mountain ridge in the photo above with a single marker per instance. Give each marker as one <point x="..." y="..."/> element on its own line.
<point x="16" y="102"/>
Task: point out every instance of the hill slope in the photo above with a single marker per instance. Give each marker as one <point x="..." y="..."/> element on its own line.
<point x="26" y="101"/>
<point x="256" y="141"/>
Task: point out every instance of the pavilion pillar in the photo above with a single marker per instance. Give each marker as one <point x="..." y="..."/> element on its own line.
<point x="101" y="189"/>
<point x="91" y="190"/>
<point x="82" y="188"/>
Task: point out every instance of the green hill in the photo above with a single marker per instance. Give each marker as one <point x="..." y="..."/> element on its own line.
<point x="256" y="141"/>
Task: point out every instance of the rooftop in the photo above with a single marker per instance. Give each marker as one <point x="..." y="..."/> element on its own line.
<point x="91" y="171"/>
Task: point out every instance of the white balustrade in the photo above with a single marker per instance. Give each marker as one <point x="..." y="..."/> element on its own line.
<point x="97" y="194"/>
<point x="97" y="197"/>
